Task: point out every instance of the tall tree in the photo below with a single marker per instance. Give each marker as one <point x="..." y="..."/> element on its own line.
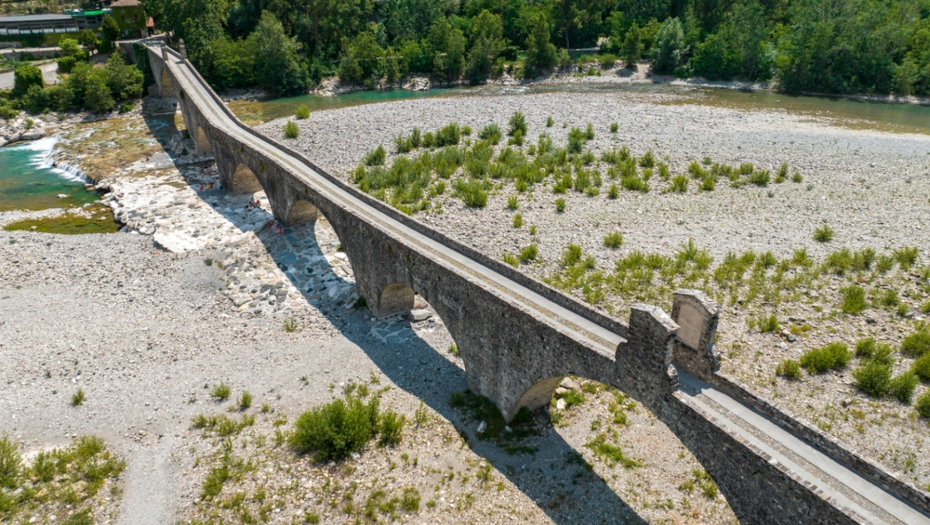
<point x="278" y="69"/>
<point x="486" y="34"/>
<point x="632" y="46"/>
<point x="572" y="15"/>
<point x="670" y="47"/>
<point x="540" y="53"/>
<point x="323" y="24"/>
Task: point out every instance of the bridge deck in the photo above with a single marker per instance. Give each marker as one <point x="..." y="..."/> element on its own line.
<point x="847" y="488"/>
<point x="837" y="482"/>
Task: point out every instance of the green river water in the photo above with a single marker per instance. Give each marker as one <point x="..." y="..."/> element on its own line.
<point x="29" y="181"/>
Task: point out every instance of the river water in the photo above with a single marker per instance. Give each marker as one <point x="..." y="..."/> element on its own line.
<point x="29" y="181"/>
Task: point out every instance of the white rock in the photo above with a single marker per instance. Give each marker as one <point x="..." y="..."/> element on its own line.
<point x="420" y="315"/>
<point x="560" y="404"/>
<point x="482" y="427"/>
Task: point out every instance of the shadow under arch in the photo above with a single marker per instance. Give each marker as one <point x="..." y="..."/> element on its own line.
<point x="167" y="85"/>
<point x="301" y="212"/>
<point x="395" y="298"/>
<point x="243" y="180"/>
<point x="202" y="142"/>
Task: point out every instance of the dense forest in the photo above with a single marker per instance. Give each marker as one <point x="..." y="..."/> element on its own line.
<point x="826" y="46"/>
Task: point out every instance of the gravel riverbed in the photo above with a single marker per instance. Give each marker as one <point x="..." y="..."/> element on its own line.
<point x="198" y="291"/>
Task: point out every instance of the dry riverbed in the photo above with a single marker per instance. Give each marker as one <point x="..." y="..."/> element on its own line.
<point x="200" y="291"/>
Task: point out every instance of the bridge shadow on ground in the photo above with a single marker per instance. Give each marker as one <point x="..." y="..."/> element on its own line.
<point x="308" y="256"/>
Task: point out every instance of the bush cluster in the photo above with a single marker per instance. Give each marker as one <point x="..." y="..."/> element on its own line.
<point x="336" y="429"/>
<point x="85" y="87"/>
<point x="832" y="356"/>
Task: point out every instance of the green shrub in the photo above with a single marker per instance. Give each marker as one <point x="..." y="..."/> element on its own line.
<point x="614" y="191"/>
<point x="376" y="157"/>
<point x="782" y="173"/>
<point x="549" y="122"/>
<point x="789" y="369"/>
<point x="921" y="368"/>
<point x="302" y="112"/>
<point x="902" y="387"/>
<point x="66" y="64"/>
<point x="923" y="405"/>
<point x="571" y="255"/>
<point x="853" y="299"/>
<point x="529" y="253"/>
<point x="78" y="398"/>
<point x="472" y="193"/>
<point x="614" y="127"/>
<point x="491" y="133"/>
<point x="906" y="257"/>
<point x="560" y="205"/>
<point x="873" y="378"/>
<point x="613" y="240"/>
<point x="291" y="130"/>
<point x="679" y="184"/>
<point x="916" y="344"/>
<point x="647" y="160"/>
<point x="708" y="184"/>
<point x="512" y="202"/>
<point x="589" y="132"/>
<point x="245" y="400"/>
<point x="823" y="233"/>
<point x="865" y="347"/>
<point x="760" y="178"/>
<point x="511" y="259"/>
<point x="9" y="463"/>
<point x="517" y="124"/>
<point x="26" y="76"/>
<point x="768" y="324"/>
<point x="391" y="428"/>
<point x="834" y="355"/>
<point x="450" y="135"/>
<point x="517" y="220"/>
<point x="220" y="392"/>
<point x="335" y="430"/>
<point x="125" y="107"/>
<point x="797" y="178"/>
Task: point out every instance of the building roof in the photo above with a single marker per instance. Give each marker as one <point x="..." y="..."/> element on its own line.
<point x="125" y="3"/>
<point x="15" y="19"/>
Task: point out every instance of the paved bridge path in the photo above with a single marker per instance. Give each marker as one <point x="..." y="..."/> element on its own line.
<point x="769" y="472"/>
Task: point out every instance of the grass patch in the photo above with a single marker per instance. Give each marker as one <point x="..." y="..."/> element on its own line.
<point x="916" y="344"/>
<point x="78" y="398"/>
<point x="517" y="220"/>
<point x="560" y="205"/>
<point x="529" y="253"/>
<point x="245" y="400"/>
<point x="220" y="392"/>
<point x="69" y="224"/>
<point x="824" y="233"/>
<point x="923" y="405"/>
<point x="302" y="112"/>
<point x="679" y="185"/>
<point x="613" y="240"/>
<point x="290" y="325"/>
<point x="610" y="453"/>
<point x="789" y="369"/>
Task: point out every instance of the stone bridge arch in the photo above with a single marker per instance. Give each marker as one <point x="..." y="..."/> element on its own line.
<point x="301" y="212"/>
<point x="243" y="180"/>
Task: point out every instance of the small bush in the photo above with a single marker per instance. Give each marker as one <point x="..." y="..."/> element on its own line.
<point x="78" y="398"/>
<point x="411" y="500"/>
<point x="797" y="178"/>
<point x="916" y="344"/>
<point x="823" y="233"/>
<point x="491" y="133"/>
<point x="921" y="368"/>
<point x="549" y="122"/>
<point x="613" y="240"/>
<point x="789" y="369"/>
<point x="614" y="192"/>
<point x="391" y="428"/>
<point x="647" y="160"/>
<point x="560" y="205"/>
<point x="853" y="299"/>
<point x="923" y="405"/>
<point x="517" y="124"/>
<point x="291" y="130"/>
<point x="245" y="400"/>
<point x="902" y="387"/>
<point x="376" y="157"/>
<point x="865" y="347"/>
<point x="873" y="378"/>
<point x="517" y="220"/>
<point x="906" y="257"/>
<point x="614" y="127"/>
<point x="220" y="392"/>
<point x="302" y="112"/>
<point x="529" y="253"/>
<point x="679" y="184"/>
<point x="512" y="202"/>
<point x="768" y="324"/>
<point x="335" y="430"/>
<point x="832" y="356"/>
<point x="511" y="259"/>
<point x="9" y="463"/>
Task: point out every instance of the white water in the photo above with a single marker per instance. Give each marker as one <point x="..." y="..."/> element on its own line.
<point x="44" y="158"/>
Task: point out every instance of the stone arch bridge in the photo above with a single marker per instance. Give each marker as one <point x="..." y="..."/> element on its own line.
<point x="519" y="337"/>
